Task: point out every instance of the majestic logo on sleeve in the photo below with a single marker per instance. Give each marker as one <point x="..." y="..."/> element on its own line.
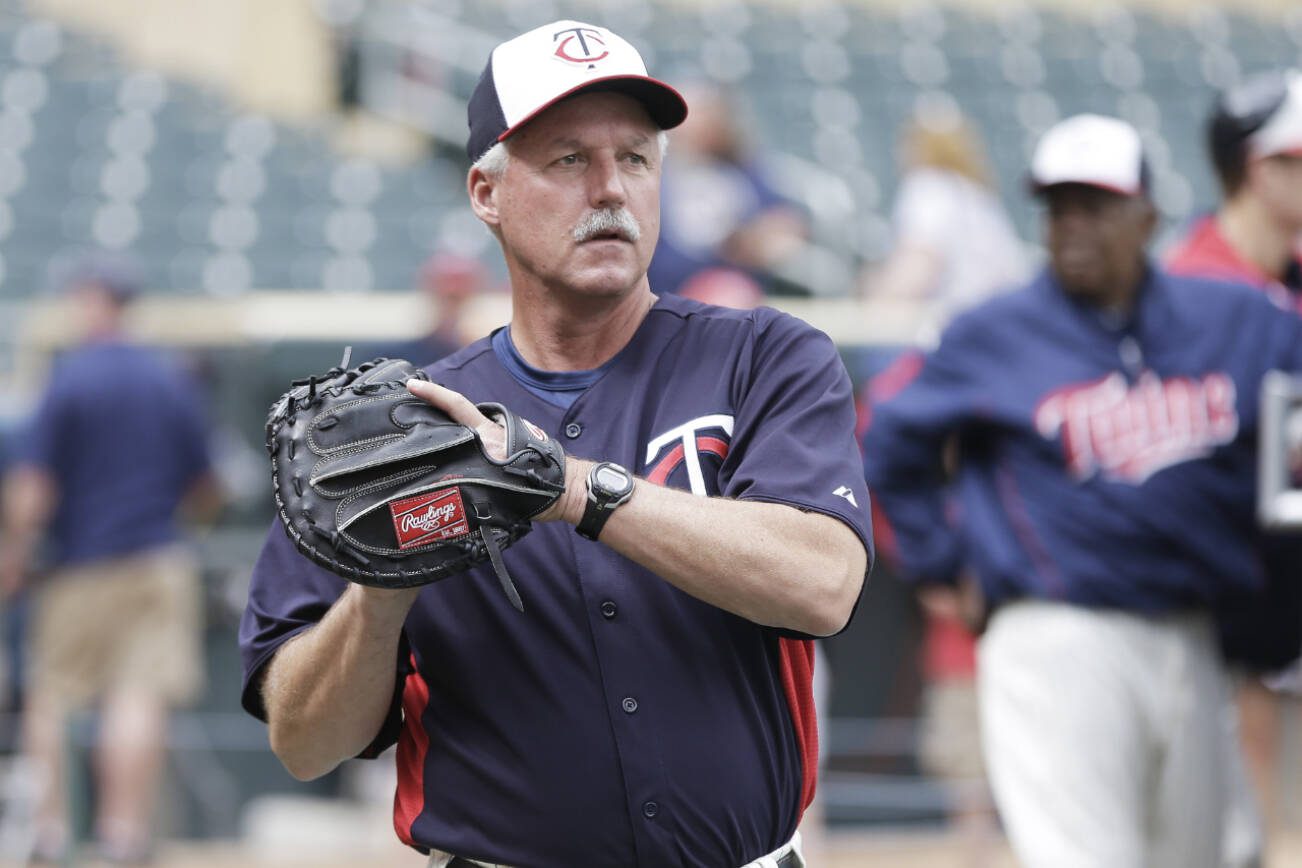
<point x="1129" y="432"/>
<point x="848" y="494"/>
<point x="683" y="445"/>
<point x="580" y="45"/>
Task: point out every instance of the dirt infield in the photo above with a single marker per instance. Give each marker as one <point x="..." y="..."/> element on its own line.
<point x="844" y="850"/>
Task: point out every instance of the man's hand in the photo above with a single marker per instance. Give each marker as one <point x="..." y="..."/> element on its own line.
<point x="568" y="507"/>
<point x="961" y="602"/>
<point x="29" y="494"/>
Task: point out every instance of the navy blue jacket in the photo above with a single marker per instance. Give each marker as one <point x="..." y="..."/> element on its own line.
<point x="1103" y="463"/>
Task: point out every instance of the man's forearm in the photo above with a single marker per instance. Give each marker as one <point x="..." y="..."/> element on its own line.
<point x="770" y="563"/>
<point x="327" y="691"/>
<point x="26" y="503"/>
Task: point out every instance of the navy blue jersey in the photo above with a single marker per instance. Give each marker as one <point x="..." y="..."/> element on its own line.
<point x="1102" y="463"/>
<point x="123" y="434"/>
<point x="618" y="721"/>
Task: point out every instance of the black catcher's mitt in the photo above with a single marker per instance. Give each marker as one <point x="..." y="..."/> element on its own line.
<point x="376" y="485"/>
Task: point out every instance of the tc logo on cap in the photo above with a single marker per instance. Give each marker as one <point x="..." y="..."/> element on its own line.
<point x="580" y="45"/>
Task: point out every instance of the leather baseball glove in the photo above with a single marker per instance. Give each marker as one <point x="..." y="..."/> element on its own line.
<point x="383" y="489"/>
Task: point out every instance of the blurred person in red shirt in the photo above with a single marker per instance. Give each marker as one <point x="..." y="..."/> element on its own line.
<point x="1255" y="142"/>
<point x="725" y="287"/>
<point x="1254" y="139"/>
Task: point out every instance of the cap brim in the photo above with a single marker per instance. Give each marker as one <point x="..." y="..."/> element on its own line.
<point x="665" y="105"/>
<point x="1039" y="188"/>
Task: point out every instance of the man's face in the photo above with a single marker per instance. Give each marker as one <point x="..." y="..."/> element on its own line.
<point x="1278" y="181"/>
<point x="589" y="154"/>
<point x="1096" y="240"/>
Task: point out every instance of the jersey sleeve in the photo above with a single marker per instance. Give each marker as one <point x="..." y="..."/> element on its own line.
<point x="794" y="440"/>
<point x="287" y="595"/>
<point x="40" y="440"/>
<point x="902" y="453"/>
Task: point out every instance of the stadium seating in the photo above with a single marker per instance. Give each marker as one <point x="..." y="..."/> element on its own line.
<point x="217" y="201"/>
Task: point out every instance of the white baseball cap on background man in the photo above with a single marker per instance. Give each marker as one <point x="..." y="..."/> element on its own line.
<point x="536" y="70"/>
<point x="1094" y="150"/>
<point x="1256" y="119"/>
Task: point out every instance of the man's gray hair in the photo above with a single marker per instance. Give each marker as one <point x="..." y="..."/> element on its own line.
<point x="493" y="162"/>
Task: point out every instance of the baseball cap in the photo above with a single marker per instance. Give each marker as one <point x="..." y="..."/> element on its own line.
<point x="118" y="274"/>
<point x="1090" y="149"/>
<point x="1263" y="113"/>
<point x="536" y="70"/>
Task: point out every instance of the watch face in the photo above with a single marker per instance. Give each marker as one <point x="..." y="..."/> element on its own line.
<point x="612" y="479"/>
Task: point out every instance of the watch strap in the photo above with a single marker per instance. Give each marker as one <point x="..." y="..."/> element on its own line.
<point x="597" y="509"/>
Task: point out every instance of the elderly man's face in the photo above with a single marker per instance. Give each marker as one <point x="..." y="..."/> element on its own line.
<point x="591" y="155"/>
<point x="1096" y="240"/>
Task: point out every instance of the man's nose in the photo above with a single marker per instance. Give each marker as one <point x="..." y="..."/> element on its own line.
<point x="1074" y="218"/>
<point x="605" y="183"/>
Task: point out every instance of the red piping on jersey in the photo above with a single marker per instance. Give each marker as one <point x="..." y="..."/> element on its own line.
<point x="796" y="663"/>
<point x="413" y="745"/>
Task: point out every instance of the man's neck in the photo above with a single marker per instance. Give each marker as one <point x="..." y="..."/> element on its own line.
<point x="1255" y="237"/>
<point x="567" y="334"/>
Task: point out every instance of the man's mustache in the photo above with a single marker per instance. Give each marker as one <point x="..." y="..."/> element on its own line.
<point x="607" y="221"/>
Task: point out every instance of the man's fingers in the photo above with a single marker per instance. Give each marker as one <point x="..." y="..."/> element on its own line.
<point x="455" y="404"/>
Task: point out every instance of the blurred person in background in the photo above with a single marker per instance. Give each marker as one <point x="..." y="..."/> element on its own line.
<point x="719" y="207"/>
<point x="448" y="283"/>
<point x="115" y="451"/>
<point x="1106" y="426"/>
<point x="1254" y="141"/>
<point x="954" y="245"/>
<point x="725" y="287"/>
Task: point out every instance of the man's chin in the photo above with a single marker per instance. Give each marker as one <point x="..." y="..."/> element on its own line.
<point x="604" y="283"/>
<point x="1080" y="282"/>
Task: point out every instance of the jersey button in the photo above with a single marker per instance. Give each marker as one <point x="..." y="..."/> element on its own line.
<point x="630" y="704"/>
<point x="608" y="610"/>
<point x="572" y="430"/>
<point x="650" y="809"/>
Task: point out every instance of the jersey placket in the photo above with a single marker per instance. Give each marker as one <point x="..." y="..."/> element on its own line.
<point x="611" y="610"/>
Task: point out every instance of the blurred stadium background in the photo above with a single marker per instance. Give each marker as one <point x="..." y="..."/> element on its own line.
<point x="265" y="160"/>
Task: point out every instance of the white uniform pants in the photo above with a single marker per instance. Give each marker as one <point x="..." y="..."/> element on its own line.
<point x="1104" y="736"/>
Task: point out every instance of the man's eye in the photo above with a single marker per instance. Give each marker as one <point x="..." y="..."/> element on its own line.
<point x="568" y="160"/>
<point x="638" y="159"/>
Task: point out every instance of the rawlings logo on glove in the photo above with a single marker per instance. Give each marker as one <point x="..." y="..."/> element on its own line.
<point x="384" y="489"/>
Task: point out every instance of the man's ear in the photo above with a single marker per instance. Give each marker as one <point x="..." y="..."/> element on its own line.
<point x="482" y="190"/>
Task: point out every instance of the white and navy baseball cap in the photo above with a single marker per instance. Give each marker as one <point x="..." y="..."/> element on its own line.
<point x="538" y="69"/>
<point x="1094" y="150"/>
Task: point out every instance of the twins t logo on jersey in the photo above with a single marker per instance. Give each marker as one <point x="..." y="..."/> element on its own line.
<point x="683" y="445"/>
<point x="1129" y="432"/>
<point x="580" y="45"/>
